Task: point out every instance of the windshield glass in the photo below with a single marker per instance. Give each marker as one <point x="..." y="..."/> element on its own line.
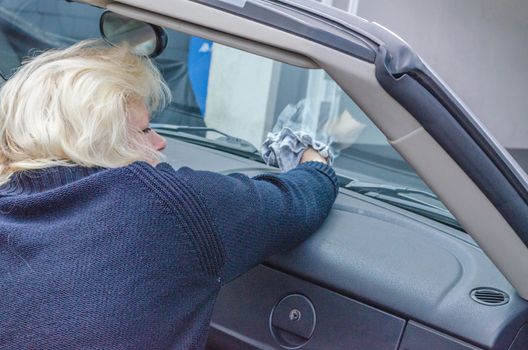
<point x="221" y="94"/>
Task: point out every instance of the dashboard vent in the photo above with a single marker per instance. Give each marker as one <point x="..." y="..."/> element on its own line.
<point x="489" y="296"/>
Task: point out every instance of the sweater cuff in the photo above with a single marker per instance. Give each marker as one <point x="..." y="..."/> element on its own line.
<point x="322" y="168"/>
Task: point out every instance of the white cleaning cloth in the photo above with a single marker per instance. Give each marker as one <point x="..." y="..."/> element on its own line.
<point x="286" y="147"/>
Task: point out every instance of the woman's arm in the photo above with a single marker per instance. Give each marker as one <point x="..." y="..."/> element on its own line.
<point x="255" y="218"/>
<point x="236" y="222"/>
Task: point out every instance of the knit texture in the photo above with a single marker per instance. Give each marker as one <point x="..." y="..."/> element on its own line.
<point x="134" y="257"/>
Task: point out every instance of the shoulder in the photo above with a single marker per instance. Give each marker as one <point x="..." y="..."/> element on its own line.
<point x="162" y="177"/>
<point x="178" y="189"/>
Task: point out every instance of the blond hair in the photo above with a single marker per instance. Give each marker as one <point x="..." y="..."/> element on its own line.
<point x="69" y="107"/>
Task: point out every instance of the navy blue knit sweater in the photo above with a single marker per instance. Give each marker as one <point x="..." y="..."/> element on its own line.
<point x="133" y="257"/>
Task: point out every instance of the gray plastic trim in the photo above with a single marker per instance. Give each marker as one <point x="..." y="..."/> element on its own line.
<point x="217" y="36"/>
<point x="246" y="303"/>
<point x="453" y="134"/>
<point x="395" y="58"/>
<point x="521" y="340"/>
<point x="469" y="204"/>
<point x="417" y="335"/>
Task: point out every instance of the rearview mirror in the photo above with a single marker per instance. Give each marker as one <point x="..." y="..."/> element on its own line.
<point x="144" y="39"/>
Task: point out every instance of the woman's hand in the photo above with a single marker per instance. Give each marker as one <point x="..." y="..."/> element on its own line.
<point x="312" y="155"/>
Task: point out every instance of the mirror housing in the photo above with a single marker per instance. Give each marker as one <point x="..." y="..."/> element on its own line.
<point x="145" y="39"/>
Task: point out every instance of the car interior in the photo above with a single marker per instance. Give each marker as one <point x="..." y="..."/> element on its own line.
<point x="415" y="253"/>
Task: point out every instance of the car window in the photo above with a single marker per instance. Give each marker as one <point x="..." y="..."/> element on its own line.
<point x="29" y="26"/>
<point x="221" y="93"/>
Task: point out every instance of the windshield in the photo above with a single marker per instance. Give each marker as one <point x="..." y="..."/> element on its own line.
<point x="225" y="96"/>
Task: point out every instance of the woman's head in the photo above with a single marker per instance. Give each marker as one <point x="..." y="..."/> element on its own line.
<point x="83" y="105"/>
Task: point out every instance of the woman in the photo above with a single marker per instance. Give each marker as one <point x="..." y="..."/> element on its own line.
<point x="103" y="246"/>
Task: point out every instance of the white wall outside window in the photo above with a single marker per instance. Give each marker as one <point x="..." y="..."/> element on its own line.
<point x="478" y="47"/>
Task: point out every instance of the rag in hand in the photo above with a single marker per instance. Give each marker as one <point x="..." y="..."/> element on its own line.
<point x="286" y="147"/>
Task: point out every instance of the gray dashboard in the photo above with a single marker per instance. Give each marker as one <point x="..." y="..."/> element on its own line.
<point x="377" y="277"/>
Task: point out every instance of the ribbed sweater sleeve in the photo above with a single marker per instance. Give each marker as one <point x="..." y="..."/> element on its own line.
<point x="241" y="221"/>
